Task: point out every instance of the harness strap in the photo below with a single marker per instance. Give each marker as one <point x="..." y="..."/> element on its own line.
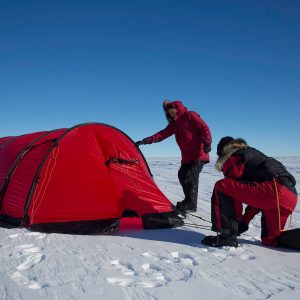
<point x="278" y="208"/>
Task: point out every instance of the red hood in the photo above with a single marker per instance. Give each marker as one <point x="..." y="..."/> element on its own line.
<point x="181" y="109"/>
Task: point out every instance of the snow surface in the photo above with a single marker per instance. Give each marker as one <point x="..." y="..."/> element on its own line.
<point x="150" y="264"/>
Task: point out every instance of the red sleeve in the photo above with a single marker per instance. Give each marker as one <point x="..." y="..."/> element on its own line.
<point x="202" y="127"/>
<point x="250" y="213"/>
<point x="160" y="136"/>
<point x="234" y="167"/>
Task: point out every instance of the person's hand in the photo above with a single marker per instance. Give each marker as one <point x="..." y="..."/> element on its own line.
<point x="142" y="142"/>
<point x="207" y="148"/>
<point x="243" y="227"/>
<point x="138" y="143"/>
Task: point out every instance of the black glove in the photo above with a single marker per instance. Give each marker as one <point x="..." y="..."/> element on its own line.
<point x="243" y="227"/>
<point x="207" y="148"/>
<point x="138" y="143"/>
<point x="142" y="142"/>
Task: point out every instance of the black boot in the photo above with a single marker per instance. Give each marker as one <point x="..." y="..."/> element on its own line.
<point x="220" y="241"/>
<point x="185" y="206"/>
<point x="290" y="239"/>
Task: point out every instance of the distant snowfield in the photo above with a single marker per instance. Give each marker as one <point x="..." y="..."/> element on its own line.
<point x="150" y="264"/>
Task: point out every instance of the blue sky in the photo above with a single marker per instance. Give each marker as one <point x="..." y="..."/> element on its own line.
<point x="236" y="63"/>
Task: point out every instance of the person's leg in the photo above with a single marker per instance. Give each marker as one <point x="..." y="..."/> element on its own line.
<point x="270" y="226"/>
<point x="227" y="209"/>
<point x="228" y="193"/>
<point x="273" y="221"/>
<point x="189" y="179"/>
<point x="191" y="183"/>
<point x="182" y="175"/>
<point x="225" y="215"/>
<point x="227" y="202"/>
<point x="226" y="212"/>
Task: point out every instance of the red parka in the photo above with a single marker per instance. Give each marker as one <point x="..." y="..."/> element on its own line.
<point x="191" y="132"/>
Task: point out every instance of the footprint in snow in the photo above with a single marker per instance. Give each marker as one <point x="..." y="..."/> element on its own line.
<point x="37" y="235"/>
<point x="32" y="233"/>
<point x="30" y="261"/>
<point x="148" y="285"/>
<point x="184" y="258"/>
<point x="126" y="268"/>
<point x="231" y="252"/>
<point x="27" y="250"/>
<point x="155" y="272"/>
<point x="157" y="258"/>
<point x="118" y="281"/>
<point x="13" y="236"/>
<point x="239" y="253"/>
<point x="31" y="250"/>
<point x="31" y="256"/>
<point x="152" y="276"/>
<point x="148" y="255"/>
<point x="24" y="246"/>
<point x="24" y="280"/>
<point x="247" y="257"/>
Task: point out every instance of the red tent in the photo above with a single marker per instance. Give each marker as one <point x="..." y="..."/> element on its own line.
<point x="78" y="180"/>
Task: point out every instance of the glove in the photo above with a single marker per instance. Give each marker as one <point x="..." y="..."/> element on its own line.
<point x="142" y="142"/>
<point x="138" y="143"/>
<point x="207" y="148"/>
<point x="243" y="227"/>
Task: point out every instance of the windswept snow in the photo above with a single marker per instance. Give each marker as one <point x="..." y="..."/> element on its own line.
<point x="149" y="264"/>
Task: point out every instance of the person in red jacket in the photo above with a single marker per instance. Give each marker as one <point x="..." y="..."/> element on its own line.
<point x="259" y="181"/>
<point x="194" y="140"/>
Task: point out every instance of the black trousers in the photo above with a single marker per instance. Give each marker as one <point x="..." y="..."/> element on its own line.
<point x="188" y="176"/>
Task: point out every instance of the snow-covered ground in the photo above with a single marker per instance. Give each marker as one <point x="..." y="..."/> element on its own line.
<point x="149" y="264"/>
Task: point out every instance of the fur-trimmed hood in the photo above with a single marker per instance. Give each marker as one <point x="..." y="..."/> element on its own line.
<point x="181" y="110"/>
<point x="229" y="149"/>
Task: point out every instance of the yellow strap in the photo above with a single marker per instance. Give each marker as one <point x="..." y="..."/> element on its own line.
<point x="278" y="208"/>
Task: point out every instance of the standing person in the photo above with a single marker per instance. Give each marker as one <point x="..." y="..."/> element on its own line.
<point x="194" y="140"/>
<point x="261" y="182"/>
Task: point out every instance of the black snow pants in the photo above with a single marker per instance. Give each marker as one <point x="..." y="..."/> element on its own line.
<point x="188" y="176"/>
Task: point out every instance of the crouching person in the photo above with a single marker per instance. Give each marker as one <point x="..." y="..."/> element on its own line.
<point x="252" y="178"/>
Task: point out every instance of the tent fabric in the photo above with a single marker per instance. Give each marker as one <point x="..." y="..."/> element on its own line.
<point x="79" y="180"/>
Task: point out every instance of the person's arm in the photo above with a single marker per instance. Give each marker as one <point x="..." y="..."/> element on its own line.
<point x="204" y="130"/>
<point x="233" y="167"/>
<point x="161" y="135"/>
